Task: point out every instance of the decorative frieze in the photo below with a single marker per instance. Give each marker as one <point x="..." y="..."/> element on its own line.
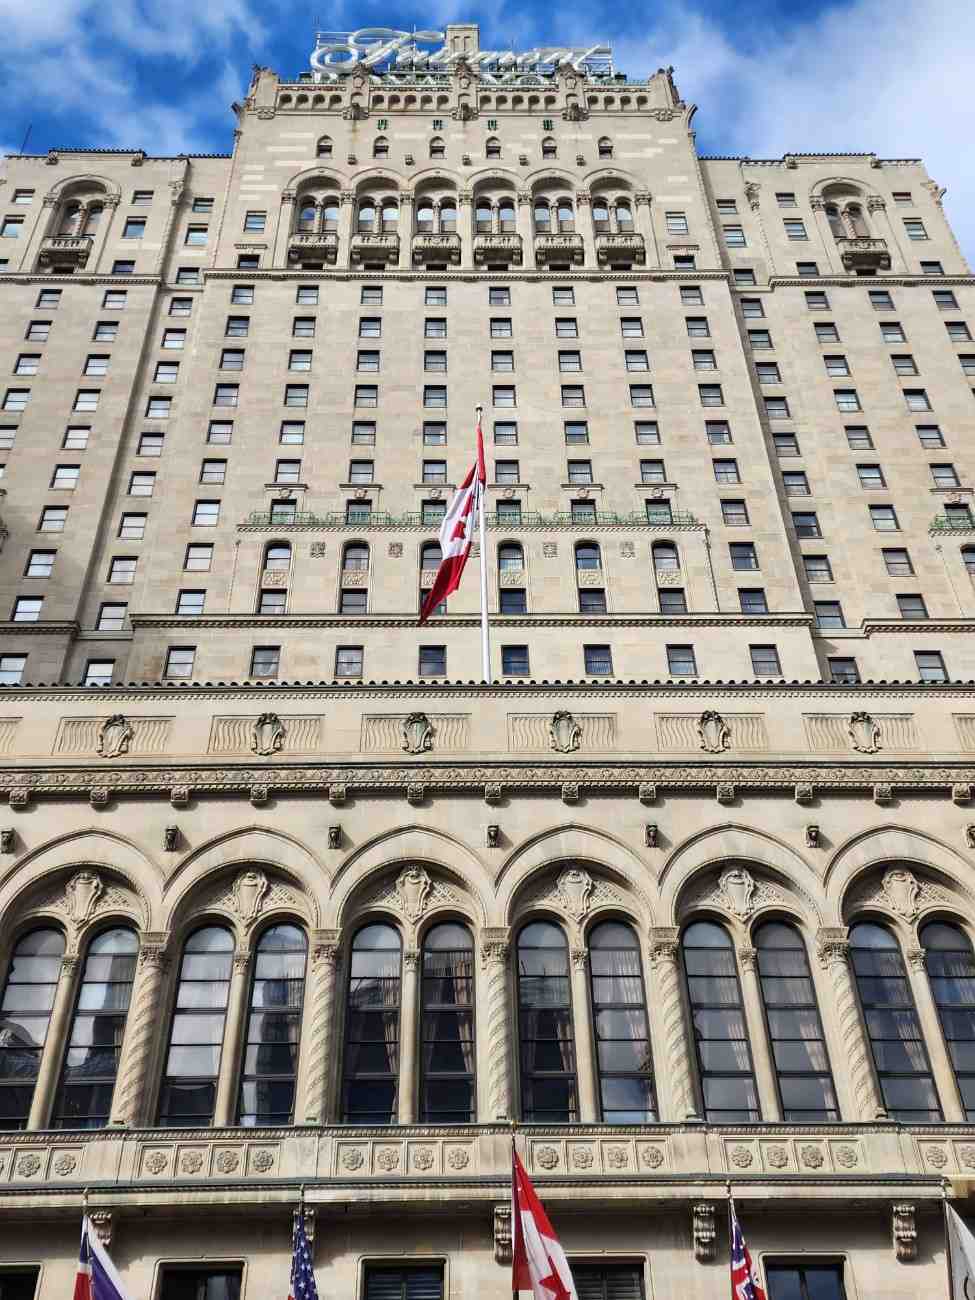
<point x="561" y="732"/>
<point x="861" y="732"/>
<point x="711" y="732"/>
<point x="265" y="735"/>
<point x="114" y="737"/>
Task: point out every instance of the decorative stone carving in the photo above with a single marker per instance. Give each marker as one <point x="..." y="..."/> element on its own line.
<point x="114" y="736"/>
<point x="904" y="1233"/>
<point x="647" y="793"/>
<point x="413" y="889"/>
<point x="864" y="733"/>
<point x="883" y="792"/>
<point x="416" y="792"/>
<point x="423" y="1158"/>
<point x="337" y="794"/>
<point x="738" y="887"/>
<point x="804" y="793"/>
<point x="179" y="796"/>
<point x="970" y="836"/>
<point x="725" y="792"/>
<point x="101" y="1221"/>
<point x="353" y="1159"/>
<point x="248" y="894"/>
<point x="98" y="796"/>
<point x="28" y="1166"/>
<point x="492" y="835"/>
<point x="966" y="1156"/>
<point x="19" y="797"/>
<point x="574" y="889"/>
<point x="570" y="792"/>
<point x="417" y="731"/>
<point x="713" y="731"/>
<point x="8" y="840"/>
<point x="617" y="1157"/>
<point x="458" y="1158"/>
<point x="259" y="794"/>
<point x="752" y="191"/>
<point x="777" y="1157"/>
<point x="812" y="836"/>
<point x="652" y="1157"/>
<point x="582" y="1157"/>
<point x="191" y="1162"/>
<point x="546" y="1157"/>
<point x="492" y="792"/>
<point x="565" y="734"/>
<point x="502" y="1233"/>
<point x="171" y="839"/>
<point x="961" y="794"/>
<point x="388" y="1158"/>
<point x="812" y="1157"/>
<point x="741" y="1156"/>
<point x="335" y="836"/>
<point x="156" y="1162"/>
<point x="650" y="835"/>
<point x="846" y="1156"/>
<point x="902" y="893"/>
<point x="705" y="1233"/>
<point x="65" y="1164"/>
<point x="268" y="735"/>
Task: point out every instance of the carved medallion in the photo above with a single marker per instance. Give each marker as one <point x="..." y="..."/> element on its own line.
<point x="417" y="733"/>
<point x="114" y="736"/>
<point x="864" y="733"/>
<point x="413" y="888"/>
<point x="268" y="736"/>
<point x="250" y="889"/>
<point x="738" y="886"/>
<point x="902" y="892"/>
<point x="574" y="891"/>
<point x="715" y="737"/>
<point x="82" y="893"/>
<point x="564" y="733"/>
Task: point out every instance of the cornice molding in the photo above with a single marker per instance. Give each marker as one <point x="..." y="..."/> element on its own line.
<point x="233" y="621"/>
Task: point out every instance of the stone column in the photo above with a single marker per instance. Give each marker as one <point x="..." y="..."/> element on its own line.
<point x="941" y="1066"/>
<point x="343" y="254"/>
<point x="134" y="1085"/>
<point x="829" y="244"/>
<point x="644" y="226"/>
<point x="465" y="227"/>
<point x="584" y="227"/>
<point x="225" y="1110"/>
<point x="408" y="1034"/>
<point x="313" y="1103"/>
<point x="883" y="228"/>
<point x="405" y="228"/>
<point x="55" y="1044"/>
<point x="525" y="230"/>
<point x="110" y="205"/>
<point x="286" y="221"/>
<point x="765" y="1080"/>
<point x="589" y="1109"/>
<point x="833" y="950"/>
<point x="495" y="952"/>
<point x="676" y="1057"/>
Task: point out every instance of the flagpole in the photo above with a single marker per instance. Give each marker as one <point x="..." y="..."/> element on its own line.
<point x="944" y="1215"/>
<point x="485" y="633"/>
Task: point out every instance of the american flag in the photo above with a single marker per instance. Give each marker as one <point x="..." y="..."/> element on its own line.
<point x="302" y="1270"/>
<point x="744" y="1279"/>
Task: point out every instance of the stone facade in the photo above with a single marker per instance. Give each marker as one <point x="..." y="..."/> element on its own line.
<point x="703" y="711"/>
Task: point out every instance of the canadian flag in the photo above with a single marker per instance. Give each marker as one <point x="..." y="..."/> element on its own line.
<point x="538" y="1262"/>
<point x="457" y="532"/>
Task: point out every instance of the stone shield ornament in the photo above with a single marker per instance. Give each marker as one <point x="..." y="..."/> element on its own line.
<point x="574" y="891"/>
<point x="417" y="732"/>
<point x="250" y="889"/>
<point x="864" y="733"/>
<point x="82" y="893"/>
<point x="564" y="733"/>
<point x="738" y="886"/>
<point x="902" y="890"/>
<point x="269" y="734"/>
<point x="114" y="736"/>
<point x="713" y="732"/>
<point x="413" y="887"/>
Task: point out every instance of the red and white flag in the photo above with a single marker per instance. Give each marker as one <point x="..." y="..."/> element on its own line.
<point x="744" y="1276"/>
<point x="538" y="1262"/>
<point x="457" y="532"/>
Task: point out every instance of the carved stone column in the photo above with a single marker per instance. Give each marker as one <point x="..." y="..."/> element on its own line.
<point x="42" y="1102"/>
<point x="644" y="226"/>
<point x="225" y="1110"/>
<point x="495" y="951"/>
<point x="584" y="227"/>
<point x="286" y="221"/>
<point x="133" y="1089"/>
<point x="589" y="1110"/>
<point x="827" y="240"/>
<point x="751" y="992"/>
<point x="409" y="1003"/>
<point x="833" y="950"/>
<point x="664" y="955"/>
<point x="343" y="255"/>
<point x="525" y="229"/>
<point x="405" y="230"/>
<point x="110" y="204"/>
<point x="941" y="1067"/>
<point x="465" y="227"/>
<point x="314" y="1103"/>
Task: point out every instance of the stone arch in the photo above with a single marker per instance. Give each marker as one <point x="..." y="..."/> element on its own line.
<point x="494" y="176"/>
<point x="377" y="177"/>
<point x="71" y="185"/>
<point x="609" y="176"/>
<point x="314" y="176"/>
<point x="847" y="185"/>
<point x="80" y="902"/>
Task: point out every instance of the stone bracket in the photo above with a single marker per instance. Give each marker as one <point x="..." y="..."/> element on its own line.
<point x="705" y="1233"/>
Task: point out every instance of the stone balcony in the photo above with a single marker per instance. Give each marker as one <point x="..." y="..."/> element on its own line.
<point x="375" y="248"/>
<point x="436" y="248"/>
<point x="559" y="248"/>
<point x="621" y="248"/>
<point x="317" y="247"/>
<point x="859" y="253"/>
<point x="65" y="250"/>
<point x="498" y="248"/>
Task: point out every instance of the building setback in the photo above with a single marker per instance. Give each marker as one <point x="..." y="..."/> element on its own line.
<point x="290" y="897"/>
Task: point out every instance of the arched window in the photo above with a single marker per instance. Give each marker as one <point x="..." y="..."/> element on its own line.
<point x="324" y="147"/>
<point x="437" y="148"/>
<point x="448" y="217"/>
<point x="511" y="556"/>
<point x="356" y="555"/>
<point x="380" y="147"/>
<point x="367" y="217"/>
<point x="307" y="216"/>
<point x="624" y="216"/>
<point x="507" y="222"/>
<point x="189" y="1087"/>
<point x="447" y="1093"/>
<point x="278" y="556"/>
<point x="543" y="218"/>
<point x="600" y="215"/>
<point x="93" y="218"/>
<point x="28" y="999"/>
<point x="70" y="219"/>
<point x="588" y="555"/>
<point x="567" y="216"/>
<point x="84" y="1098"/>
<point x="968" y="558"/>
<point x="724" y="1056"/>
<point x="951" y="970"/>
<point x="372" y="1027"/>
<point x="605" y="147"/>
<point x="620" y="1026"/>
<point x="390" y="216"/>
<point x="548" y="148"/>
<point x="856" y="219"/>
<point x="493" y="147"/>
<point x="835" y="221"/>
<point x="548" y="1062"/>
<point x="330" y="213"/>
<point x="483" y="217"/>
<point x="267" y="1080"/>
<point x="893" y="1027"/>
<point x="430" y="555"/>
<point x="665" y="556"/>
<point x="424" y="217"/>
<point x="795" y="1031"/>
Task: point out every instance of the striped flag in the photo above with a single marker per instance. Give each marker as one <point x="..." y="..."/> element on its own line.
<point x="302" y="1270"/>
<point x="457" y="532"/>
<point x="538" y="1262"/>
<point x="96" y="1278"/>
<point x="744" y="1277"/>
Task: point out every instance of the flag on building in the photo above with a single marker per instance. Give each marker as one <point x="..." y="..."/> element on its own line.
<point x="96" y="1278"/>
<point x="538" y="1262"/>
<point x="302" y="1270"/>
<point x="457" y="532"/>
<point x="961" y="1255"/>
<point x="744" y="1276"/>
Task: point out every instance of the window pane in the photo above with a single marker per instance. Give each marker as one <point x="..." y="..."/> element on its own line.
<point x="372" y="1027"/>
<point x="548" y="1070"/>
<point x="189" y="1088"/>
<point x="447" y="1028"/>
<point x="267" y="1085"/>
<point x="620" y="1026"/>
<point x="724" y="1055"/>
<point x="951" y="971"/>
<point x="27" y="1002"/>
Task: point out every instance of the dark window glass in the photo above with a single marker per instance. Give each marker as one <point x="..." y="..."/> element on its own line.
<point x="804" y="1281"/>
<point x="893" y="1027"/>
<point x="28" y="999"/>
<point x="267" y="1081"/>
<point x="200" y="1284"/>
<point x="91" y="1061"/>
<point x="620" y="1026"/>
<point x="447" y="1094"/>
<point x="951" y="971"/>
<point x="548" y="1066"/>
<point x="418" y="1282"/>
<point x="372" y="1028"/>
<point x="608" y="1281"/>
<point x="189" y="1088"/>
<point x="721" y="1035"/>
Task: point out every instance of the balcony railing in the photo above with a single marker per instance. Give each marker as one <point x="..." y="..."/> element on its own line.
<point x="621" y="247"/>
<point x="416" y="519"/>
<point x="952" y="524"/>
<point x="437" y="248"/>
<point x="322" y="246"/>
<point x="498" y="248"/>
<point x="559" y="248"/>
<point x="375" y="248"/>
<point x="861" y="253"/>
<point x="62" y="250"/>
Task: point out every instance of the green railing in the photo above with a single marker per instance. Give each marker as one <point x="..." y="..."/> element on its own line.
<point x="497" y="519"/>
<point x="952" y="524"/>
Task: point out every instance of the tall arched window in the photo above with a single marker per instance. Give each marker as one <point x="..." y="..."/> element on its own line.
<point x="93" y="218"/>
<point x="356" y="555"/>
<point x="795" y="1031"/>
<point x="307" y="216"/>
<point x="330" y="213"/>
<point x="724" y="1055"/>
<point x="605" y="147"/>
<point x="588" y="555"/>
<point x="548" y="147"/>
<point x="390" y="216"/>
<point x="70" y="219"/>
<point x="600" y="215"/>
<point x="951" y="970"/>
<point x="567" y="216"/>
<point x="620" y="1026"/>
<point x="856" y="219"/>
<point x="448" y="217"/>
<point x="507" y="221"/>
<point x="372" y="1028"/>
<point x="548" y="1061"/>
<point x="543" y="218"/>
<point x="267" y="1081"/>
<point x="424" y="217"/>
<point x="367" y="217"/>
<point x="437" y="148"/>
<point x="447" y="1093"/>
<point x="835" y="221"/>
<point x="84" y="1098"/>
<point x="665" y="556"/>
<point x="278" y="556"/>
<point x="511" y="556"/>
<point x="483" y="217"/>
<point x="28" y="999"/>
<point x="493" y="147"/>
<point x="189" y="1087"/>
<point x="624" y="217"/>
<point x="324" y="147"/>
<point x="380" y="148"/>
<point x="893" y="1027"/>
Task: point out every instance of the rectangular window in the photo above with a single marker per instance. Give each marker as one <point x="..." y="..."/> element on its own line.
<point x="726" y="471"/>
<point x="66" y="477"/>
<point x="912" y="607"/>
<point x="265" y="661"/>
<point x="637" y="359"/>
<point x="248" y="261"/>
<point x="786" y="444"/>
<point x="676" y="223"/>
<point x="627" y="295"/>
<point x="179" y="663"/>
<point x="27" y="609"/>
<point x="805" y="1281"/>
<point x="917" y="399"/>
<point x="765" y="661"/>
<point x="760" y="340"/>
<point x="566" y="327"/>
<point x="238" y="327"/>
<point x="434" y="434"/>
<point x="751" y="600"/>
<point x="892" y="331"/>
<point x="744" y="278"/>
<point x="512" y="600"/>
<point x="945" y="299"/>
<point x="847" y="399"/>
<point x="777" y="408"/>
<point x="767" y="372"/>
<point x="967" y="364"/>
<point x="501" y="327"/>
<point x="681" y="661"/>
<point x="223" y="395"/>
<point x="134" y="228"/>
<point x="167" y="372"/>
<point x="897" y="561"/>
<point x="273" y="601"/>
<point x="598" y="660"/>
<point x="734" y="513"/>
<point x="174" y="340"/>
<point x="206" y="514"/>
<point x="98" y="672"/>
<point x="433" y="661"/>
<point x="220" y="431"/>
<point x="592" y="600"/>
<point x="685" y="262"/>
<point x="40" y="564"/>
<point x="364" y="361"/>
<point x="303" y="327"/>
<point x="858" y="437"/>
<point x="365" y="395"/>
<point x="640" y="395"/>
<point x="53" y="519"/>
<point x="817" y="300"/>
<point x="871" y="476"/>
<point x="718" y="432"/>
<point x="500" y="396"/>
<point x="11" y="674"/>
<point x="576" y="431"/>
<point x="190" y="603"/>
<point x="514" y="661"/>
<point x="652" y="471"/>
<point x="743" y="556"/>
<point x="914" y="229"/>
<point x="631" y="327"/>
<point x="435" y="327"/>
<point x="432" y="513"/>
<point x="930" y="435"/>
<point x="506" y="471"/>
<point x="734" y="236"/>
<point x="297" y="394"/>
<point x="826" y="332"/>
<point x="196" y="236"/>
<point x="930" y="666"/>
<point x="111" y="616"/>
<point x="436" y="395"/>
<point x="752" y="309"/>
<point x="829" y="614"/>
<point x="437" y="361"/>
<point x="28" y="362"/>
<point x="843" y="671"/>
<point x="836" y="366"/>
<point x="817" y="568"/>
<point x="243" y="294"/>
<point x="213" y="471"/>
<point x="711" y="394"/>
<point x="39" y="330"/>
<point x="697" y="327"/>
<point x="880" y="300"/>
<point x="255" y="221"/>
<point x="307" y="294"/>
<point x="580" y="471"/>
<point x="51" y="298"/>
<point x="945" y="476"/>
<point x="106" y="331"/>
<point x="795" y="229"/>
<point x="958" y="331"/>
<point x="121" y="570"/>
<point x="96" y="365"/>
<point x="904" y="365"/>
<point x="198" y="557"/>
<point x="75" y="437"/>
<point x="691" y="295"/>
<point x="132" y="527"/>
<point x="348" y="661"/>
<point x="353" y="600"/>
<point x="361" y="471"/>
<point x="884" y="519"/>
<point x="658" y="512"/>
<point x="568" y="361"/>
<point x="232" y="359"/>
<point x="11" y="227"/>
<point x="647" y="433"/>
<point x="932" y="268"/>
<point x="434" y="471"/>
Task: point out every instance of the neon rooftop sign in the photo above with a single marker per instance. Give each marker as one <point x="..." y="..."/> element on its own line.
<point x="385" y="50"/>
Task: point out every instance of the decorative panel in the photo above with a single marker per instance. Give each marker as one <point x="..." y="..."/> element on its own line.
<point x="746" y="731"/>
<point x="532" y="731"/>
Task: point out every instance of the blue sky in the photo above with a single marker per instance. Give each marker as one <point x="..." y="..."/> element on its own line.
<point x="769" y="76"/>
